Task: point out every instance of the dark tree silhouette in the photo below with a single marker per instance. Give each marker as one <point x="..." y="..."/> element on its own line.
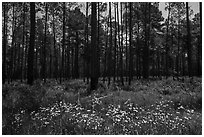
<point x="199" y="56"/>
<point x="166" y="46"/>
<point x="146" y="46"/>
<point x="94" y="47"/>
<point x="131" y="40"/>
<point x="110" y="48"/>
<point x="121" y="46"/>
<point x="44" y="46"/>
<point x="130" y="46"/>
<point x="13" y="50"/>
<point x="190" y="73"/>
<point x="87" y="43"/>
<point x="76" y="58"/>
<point x="126" y="39"/>
<point x="54" y="45"/>
<point x="4" y="44"/>
<point x="32" y="44"/>
<point x="63" y="42"/>
<point x="115" y="44"/>
<point x="23" y="42"/>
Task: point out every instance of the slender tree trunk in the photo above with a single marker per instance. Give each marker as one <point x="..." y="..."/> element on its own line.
<point x="23" y="43"/>
<point x="94" y="53"/>
<point x="32" y="43"/>
<point x="63" y="44"/>
<point x="190" y="72"/>
<point x="26" y="55"/>
<point x="115" y="45"/>
<point x="105" y="60"/>
<point x="87" y="42"/>
<point x="167" y="49"/>
<point x="4" y="43"/>
<point x="138" y="49"/>
<point x="199" y="56"/>
<point x="12" y="46"/>
<point x="72" y="64"/>
<point x="179" y="52"/>
<point x="98" y="47"/>
<point x="126" y="45"/>
<point x="121" y="48"/>
<point x="55" y="50"/>
<point x="110" y="48"/>
<point x="45" y="45"/>
<point x="68" y="58"/>
<point x="130" y="46"/>
<point x="51" y="56"/>
<point x="84" y="50"/>
<point x="76" y="65"/>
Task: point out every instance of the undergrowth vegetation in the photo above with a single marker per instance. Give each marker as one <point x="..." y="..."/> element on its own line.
<point x="146" y="107"/>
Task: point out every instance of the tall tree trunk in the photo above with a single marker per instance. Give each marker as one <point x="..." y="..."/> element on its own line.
<point x="87" y="42"/>
<point x="178" y="50"/>
<point x="23" y="43"/>
<point x="98" y="47"/>
<point x="167" y="48"/>
<point x="76" y="65"/>
<point x="121" y="48"/>
<point x="32" y="43"/>
<point x="146" y="46"/>
<point x="55" y="50"/>
<point x="110" y="48"/>
<point x="63" y="43"/>
<point x="115" y="45"/>
<point x="105" y="56"/>
<point x="4" y="43"/>
<point x="126" y="45"/>
<point x="94" y="47"/>
<point x="119" y="40"/>
<point x="138" y="49"/>
<point x="68" y="58"/>
<point x="199" y="56"/>
<point x="12" y="46"/>
<point x="190" y="72"/>
<point x="130" y="46"/>
<point x="45" y="45"/>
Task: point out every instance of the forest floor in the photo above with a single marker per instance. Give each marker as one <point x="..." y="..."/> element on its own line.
<point x="146" y="107"/>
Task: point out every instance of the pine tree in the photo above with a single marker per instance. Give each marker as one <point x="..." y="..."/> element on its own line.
<point x="32" y="44"/>
<point x="190" y="73"/>
<point x="94" y="47"/>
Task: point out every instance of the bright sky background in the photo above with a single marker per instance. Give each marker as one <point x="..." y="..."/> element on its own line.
<point x="193" y="5"/>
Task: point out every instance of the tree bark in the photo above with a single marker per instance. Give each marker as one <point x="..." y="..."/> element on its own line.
<point x="110" y="48"/>
<point x="200" y="43"/>
<point x="94" y="53"/>
<point x="87" y="42"/>
<point x="166" y="46"/>
<point x="54" y="45"/>
<point x="115" y="45"/>
<point x="4" y="43"/>
<point x="63" y="44"/>
<point x="130" y="46"/>
<point x="190" y="72"/>
<point x="126" y="39"/>
<point x="76" y="65"/>
<point x="32" y="44"/>
<point x="146" y="46"/>
<point x="121" y="48"/>
<point x="45" y="45"/>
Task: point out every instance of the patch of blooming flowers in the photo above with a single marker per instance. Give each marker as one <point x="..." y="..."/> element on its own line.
<point x="127" y="118"/>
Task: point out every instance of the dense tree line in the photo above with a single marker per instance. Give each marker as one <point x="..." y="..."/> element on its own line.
<point x="113" y="41"/>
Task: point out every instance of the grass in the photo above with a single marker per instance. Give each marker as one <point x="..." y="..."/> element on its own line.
<point x="146" y="107"/>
